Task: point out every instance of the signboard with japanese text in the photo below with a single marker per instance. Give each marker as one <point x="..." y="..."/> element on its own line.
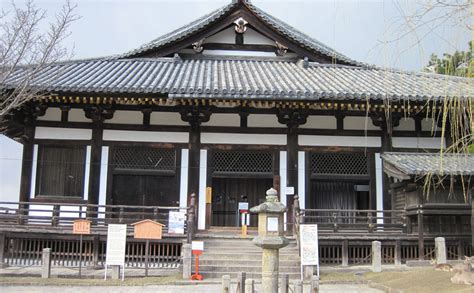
<point x="116" y="240"/>
<point x="309" y="245"/>
<point x="81" y="226"/>
<point x="176" y="222"/>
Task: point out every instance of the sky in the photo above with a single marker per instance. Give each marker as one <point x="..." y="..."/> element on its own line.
<point x="365" y="30"/>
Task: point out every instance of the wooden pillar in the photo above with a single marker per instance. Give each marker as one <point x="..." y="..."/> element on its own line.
<point x="28" y="116"/>
<point x="98" y="115"/>
<point x="195" y="116"/>
<point x="292" y="118"/>
<point x="27" y="160"/>
<point x="386" y="124"/>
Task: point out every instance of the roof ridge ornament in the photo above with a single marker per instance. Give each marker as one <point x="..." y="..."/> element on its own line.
<point x="197" y="46"/>
<point x="281" y="49"/>
<point x="303" y="63"/>
<point x="240" y="25"/>
<point x="177" y="58"/>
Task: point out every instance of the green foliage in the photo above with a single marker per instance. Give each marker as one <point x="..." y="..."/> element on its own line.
<point x="461" y="63"/>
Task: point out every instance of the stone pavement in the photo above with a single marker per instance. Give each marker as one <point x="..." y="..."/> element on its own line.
<point x="209" y="288"/>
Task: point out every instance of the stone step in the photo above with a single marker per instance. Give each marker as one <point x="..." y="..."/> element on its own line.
<point x="243" y="268"/>
<point x="242" y="262"/>
<point x="245" y="256"/>
<point x="249" y="275"/>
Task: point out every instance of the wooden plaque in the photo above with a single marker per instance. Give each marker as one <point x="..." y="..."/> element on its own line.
<point x="81" y="226"/>
<point x="147" y="229"/>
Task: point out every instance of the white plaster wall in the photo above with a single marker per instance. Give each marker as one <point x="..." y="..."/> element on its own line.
<point x="301" y="179"/>
<point x="10" y="169"/>
<point x="145" y="136"/>
<point x="253" y="37"/>
<point x="418" y="142"/>
<point x="359" y="123"/>
<point x="202" y="190"/>
<point x="183" y="181"/>
<point x="62" y="133"/>
<point x="52" y="114"/>
<point x="320" y="122"/>
<point x="379" y="187"/>
<point x="127" y="117"/>
<point x="104" y="167"/>
<point x="226" y="36"/>
<point x="240" y="138"/>
<point x="223" y="120"/>
<point x="77" y="115"/>
<point x="41" y="211"/>
<point x="350" y="141"/>
<point x="406" y="124"/>
<point x="428" y="125"/>
<point x="243" y="53"/>
<point x="166" y="118"/>
<point x="265" y="120"/>
<point x="87" y="169"/>
<point x="34" y="168"/>
<point x="283" y="183"/>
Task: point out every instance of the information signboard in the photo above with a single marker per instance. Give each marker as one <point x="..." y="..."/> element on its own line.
<point x="116" y="240"/>
<point x="309" y="246"/>
<point x="176" y="222"/>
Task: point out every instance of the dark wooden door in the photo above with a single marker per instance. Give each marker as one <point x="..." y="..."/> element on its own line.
<point x="227" y="192"/>
<point x="144" y="190"/>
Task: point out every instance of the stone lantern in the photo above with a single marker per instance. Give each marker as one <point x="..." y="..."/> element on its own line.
<point x="270" y="238"/>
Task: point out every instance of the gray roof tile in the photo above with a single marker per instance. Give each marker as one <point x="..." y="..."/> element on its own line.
<point x="237" y="78"/>
<point x="420" y="164"/>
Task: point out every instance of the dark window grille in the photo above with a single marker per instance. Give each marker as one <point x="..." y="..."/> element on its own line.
<point x="339" y="164"/>
<point x="243" y="162"/>
<point x="149" y="159"/>
<point x="60" y="171"/>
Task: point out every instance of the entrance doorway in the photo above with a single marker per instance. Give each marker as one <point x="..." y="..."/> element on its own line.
<point x="228" y="192"/>
<point x="239" y="176"/>
<point x="143" y="190"/>
<point x="144" y="176"/>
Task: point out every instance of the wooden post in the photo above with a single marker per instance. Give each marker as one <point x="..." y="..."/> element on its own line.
<point x="421" y="239"/>
<point x="191" y="223"/>
<point x="292" y="172"/>
<point x="460" y="249"/>
<point x="314" y="284"/>
<point x="241" y="276"/>
<point x="398" y="253"/>
<point x="226" y="284"/>
<point x="46" y="269"/>
<point x="2" y="250"/>
<point x="345" y="253"/>
<point x="194" y="115"/>
<point x="55" y="215"/>
<point x="26" y="166"/>
<point x="147" y="251"/>
<point x="296" y="212"/>
<point x="285" y="280"/>
<point x="249" y="286"/>
<point x="298" y="286"/>
<point x="97" y="115"/>
<point x="95" y="251"/>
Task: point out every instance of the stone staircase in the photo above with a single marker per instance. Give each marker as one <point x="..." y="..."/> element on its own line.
<point x="230" y="256"/>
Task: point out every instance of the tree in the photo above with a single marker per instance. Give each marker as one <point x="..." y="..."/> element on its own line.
<point x="26" y="47"/>
<point x="460" y="63"/>
<point x="456" y="115"/>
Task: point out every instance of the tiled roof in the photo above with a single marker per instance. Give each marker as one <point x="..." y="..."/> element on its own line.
<point x="292" y="33"/>
<point x="183" y="31"/>
<point x="243" y="78"/>
<point x="419" y="164"/>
